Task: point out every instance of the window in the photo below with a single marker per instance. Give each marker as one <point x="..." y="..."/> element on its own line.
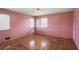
<point x="4" y="22"/>
<point x="31" y="23"/>
<point x="44" y="22"/>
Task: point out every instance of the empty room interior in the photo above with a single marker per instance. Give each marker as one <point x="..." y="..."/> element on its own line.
<point x="39" y="28"/>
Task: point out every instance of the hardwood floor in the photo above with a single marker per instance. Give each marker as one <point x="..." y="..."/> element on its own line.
<point x="39" y="42"/>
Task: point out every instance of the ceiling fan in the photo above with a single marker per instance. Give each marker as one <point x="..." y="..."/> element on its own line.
<point x="38" y="10"/>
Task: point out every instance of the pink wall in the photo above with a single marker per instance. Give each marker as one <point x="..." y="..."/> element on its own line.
<point x="18" y="26"/>
<point x="60" y="25"/>
<point x="76" y="27"/>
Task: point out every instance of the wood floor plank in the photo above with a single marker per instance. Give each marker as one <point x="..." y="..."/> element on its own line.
<point x="39" y="42"/>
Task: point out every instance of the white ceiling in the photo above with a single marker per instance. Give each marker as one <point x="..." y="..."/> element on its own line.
<point x="44" y="11"/>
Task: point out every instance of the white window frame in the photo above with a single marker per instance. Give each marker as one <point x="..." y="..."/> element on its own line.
<point x="31" y="22"/>
<point x="4" y="22"/>
<point x="44" y="22"/>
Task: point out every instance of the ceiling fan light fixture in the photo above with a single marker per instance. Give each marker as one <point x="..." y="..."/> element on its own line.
<point x="37" y="10"/>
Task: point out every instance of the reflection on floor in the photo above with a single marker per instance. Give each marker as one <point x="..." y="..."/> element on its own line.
<point x="39" y="42"/>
